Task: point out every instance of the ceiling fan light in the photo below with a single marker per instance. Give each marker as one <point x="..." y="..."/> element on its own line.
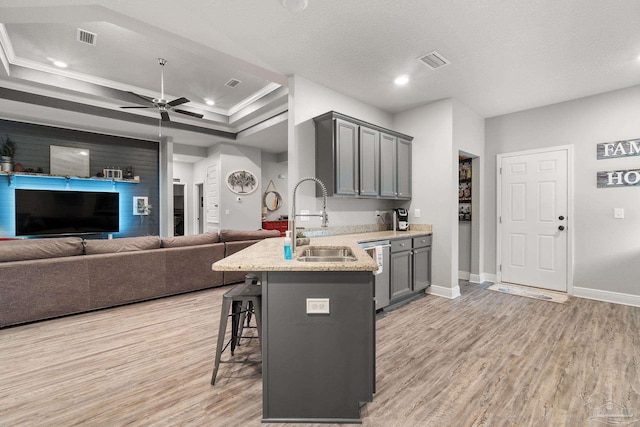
<point x="295" y="6"/>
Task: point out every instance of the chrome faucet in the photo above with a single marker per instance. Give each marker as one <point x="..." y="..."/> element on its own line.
<point x="322" y="214"/>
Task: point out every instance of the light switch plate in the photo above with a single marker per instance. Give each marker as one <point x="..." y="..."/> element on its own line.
<point x="417" y="213"/>
<point x="317" y="305"/>
<point x="618" y="213"/>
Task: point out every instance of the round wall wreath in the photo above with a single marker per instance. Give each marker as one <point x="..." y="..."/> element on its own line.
<point x="242" y="182"/>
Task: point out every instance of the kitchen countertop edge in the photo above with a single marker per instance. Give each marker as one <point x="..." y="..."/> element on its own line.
<point x="267" y="255"/>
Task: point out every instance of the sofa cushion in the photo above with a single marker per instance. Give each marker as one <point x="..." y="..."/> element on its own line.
<point x="236" y="235"/>
<point x="126" y="244"/>
<point x="26" y="249"/>
<point x="199" y="239"/>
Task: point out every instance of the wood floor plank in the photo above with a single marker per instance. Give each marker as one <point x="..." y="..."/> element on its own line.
<point x="484" y="359"/>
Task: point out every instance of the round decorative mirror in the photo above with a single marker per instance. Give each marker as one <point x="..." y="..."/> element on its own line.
<point x="272" y="200"/>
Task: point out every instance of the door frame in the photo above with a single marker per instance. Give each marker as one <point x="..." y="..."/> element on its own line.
<point x="570" y="212"/>
<point x="196" y="208"/>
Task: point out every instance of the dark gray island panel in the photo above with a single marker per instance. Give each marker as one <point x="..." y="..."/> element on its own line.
<point x="317" y="367"/>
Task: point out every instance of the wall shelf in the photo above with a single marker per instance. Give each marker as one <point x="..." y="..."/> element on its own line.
<point x="13" y="175"/>
<point x="464" y="190"/>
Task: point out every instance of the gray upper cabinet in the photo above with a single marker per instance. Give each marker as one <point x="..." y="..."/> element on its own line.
<point x="404" y="169"/>
<point x="358" y="159"/>
<point x="388" y="165"/>
<point x="346" y="159"/>
<point x="369" y="161"/>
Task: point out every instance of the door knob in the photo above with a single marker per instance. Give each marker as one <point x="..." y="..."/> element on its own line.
<point x="560" y="217"/>
<point x="561" y="228"/>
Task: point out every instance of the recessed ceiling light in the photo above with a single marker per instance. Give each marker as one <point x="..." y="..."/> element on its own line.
<point x="209" y="101"/>
<point x="60" y="64"/>
<point x="402" y="80"/>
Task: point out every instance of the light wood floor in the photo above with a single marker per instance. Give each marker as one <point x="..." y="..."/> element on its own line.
<point x="485" y="358"/>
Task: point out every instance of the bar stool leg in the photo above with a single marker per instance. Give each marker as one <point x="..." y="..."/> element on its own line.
<point x="236" y="308"/>
<point x="224" y="313"/>
<point x="257" y="306"/>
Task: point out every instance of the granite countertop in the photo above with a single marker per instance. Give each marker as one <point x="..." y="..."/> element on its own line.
<point x="267" y="255"/>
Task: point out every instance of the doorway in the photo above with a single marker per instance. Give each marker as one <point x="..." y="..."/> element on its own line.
<point x="199" y="200"/>
<point x="178" y="209"/>
<point x="534" y="213"/>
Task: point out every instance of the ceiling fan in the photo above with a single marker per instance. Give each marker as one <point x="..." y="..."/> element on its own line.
<point x="161" y="103"/>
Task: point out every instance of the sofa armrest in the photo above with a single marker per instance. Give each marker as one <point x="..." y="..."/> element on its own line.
<point x="41" y="289"/>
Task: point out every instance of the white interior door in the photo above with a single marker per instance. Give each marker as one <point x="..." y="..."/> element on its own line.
<point x="533" y="219"/>
<point x="213" y="199"/>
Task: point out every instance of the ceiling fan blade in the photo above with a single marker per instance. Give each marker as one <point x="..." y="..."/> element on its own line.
<point x="189" y="113"/>
<point x="150" y="106"/>
<point x="146" y="98"/>
<point x="165" y="116"/>
<point x="178" y="101"/>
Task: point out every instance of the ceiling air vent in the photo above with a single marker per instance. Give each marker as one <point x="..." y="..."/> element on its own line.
<point x="434" y="60"/>
<point x="87" y="37"/>
<point x="233" y="83"/>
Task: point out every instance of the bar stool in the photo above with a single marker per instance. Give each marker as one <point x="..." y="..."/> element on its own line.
<point x="242" y="301"/>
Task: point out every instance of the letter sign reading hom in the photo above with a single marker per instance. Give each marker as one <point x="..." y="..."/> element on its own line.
<point x="612" y="150"/>
<point x="621" y="178"/>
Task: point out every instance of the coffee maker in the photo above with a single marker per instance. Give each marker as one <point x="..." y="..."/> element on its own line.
<point x="401" y="219"/>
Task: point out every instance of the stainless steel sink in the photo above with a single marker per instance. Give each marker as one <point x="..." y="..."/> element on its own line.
<point x="327" y="254"/>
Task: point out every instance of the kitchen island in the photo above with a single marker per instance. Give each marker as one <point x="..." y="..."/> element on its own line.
<point x="318" y="329"/>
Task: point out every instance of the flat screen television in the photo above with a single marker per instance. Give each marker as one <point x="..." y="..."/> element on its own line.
<point x="53" y="212"/>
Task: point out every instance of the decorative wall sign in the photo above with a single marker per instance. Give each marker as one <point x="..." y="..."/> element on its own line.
<point x="69" y="161"/>
<point x="620" y="178"/>
<point x="242" y="182"/>
<point x="141" y="205"/>
<point x="612" y="150"/>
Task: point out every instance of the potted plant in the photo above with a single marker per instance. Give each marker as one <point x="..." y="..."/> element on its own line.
<point x="7" y="151"/>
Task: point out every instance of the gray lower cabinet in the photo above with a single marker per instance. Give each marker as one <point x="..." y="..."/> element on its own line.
<point x="410" y="266"/>
<point x="316" y="367"/>
<point x="401" y="271"/>
<point x="421" y="262"/>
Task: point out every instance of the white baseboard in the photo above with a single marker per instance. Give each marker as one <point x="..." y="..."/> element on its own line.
<point x="463" y="275"/>
<point x="442" y="291"/>
<point x="475" y="278"/>
<point x="607" y="296"/>
<point x="490" y="277"/>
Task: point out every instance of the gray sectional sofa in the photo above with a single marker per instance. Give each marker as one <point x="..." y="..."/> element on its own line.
<point x="45" y="278"/>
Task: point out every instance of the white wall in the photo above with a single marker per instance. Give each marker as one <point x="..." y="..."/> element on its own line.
<point x="307" y="100"/>
<point x="464" y="246"/>
<point x="274" y="166"/>
<point x="435" y="185"/>
<point x="469" y="137"/>
<point x="245" y="214"/>
<point x="606" y="250"/>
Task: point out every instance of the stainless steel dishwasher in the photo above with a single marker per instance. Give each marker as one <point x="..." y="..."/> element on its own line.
<point x="379" y="251"/>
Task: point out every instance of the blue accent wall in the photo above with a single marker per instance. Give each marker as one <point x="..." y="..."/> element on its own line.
<point x="33" y="145"/>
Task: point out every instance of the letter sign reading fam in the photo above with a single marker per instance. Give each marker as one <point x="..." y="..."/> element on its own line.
<point x="611" y="150"/>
